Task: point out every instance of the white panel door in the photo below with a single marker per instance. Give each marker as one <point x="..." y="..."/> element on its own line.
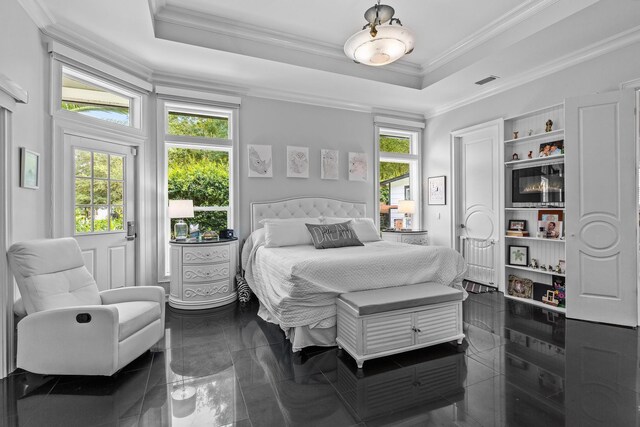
<point x="478" y="197"/>
<point x="601" y="217"/>
<point x="99" y="201"/>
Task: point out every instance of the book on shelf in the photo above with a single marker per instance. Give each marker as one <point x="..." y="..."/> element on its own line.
<point x="518" y="233"/>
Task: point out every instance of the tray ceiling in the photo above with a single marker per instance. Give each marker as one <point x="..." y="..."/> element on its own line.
<point x="292" y="49"/>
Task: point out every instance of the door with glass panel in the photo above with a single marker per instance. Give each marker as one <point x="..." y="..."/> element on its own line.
<point x="99" y="203"/>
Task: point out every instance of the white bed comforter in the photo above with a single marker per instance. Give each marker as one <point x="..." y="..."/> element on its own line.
<point x="298" y="284"/>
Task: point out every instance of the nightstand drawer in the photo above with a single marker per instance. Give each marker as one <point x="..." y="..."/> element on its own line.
<point x="206" y="291"/>
<point x="205" y="254"/>
<point x="202" y="273"/>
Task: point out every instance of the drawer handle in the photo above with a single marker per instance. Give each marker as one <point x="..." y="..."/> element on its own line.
<point x="414" y="329"/>
<point x="417" y="384"/>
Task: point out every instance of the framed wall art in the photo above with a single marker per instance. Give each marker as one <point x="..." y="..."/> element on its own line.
<point x="329" y="164"/>
<point x="519" y="255"/>
<point x="357" y="166"/>
<point x="437" y="190"/>
<point x="260" y="161"/>
<point x="297" y="162"/>
<point x="29" y="169"/>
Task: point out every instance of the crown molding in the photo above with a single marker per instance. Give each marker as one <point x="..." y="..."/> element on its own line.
<point x="96" y="49"/>
<point x="488" y="32"/>
<point x="261" y="35"/>
<point x="603" y="47"/>
<point x="38" y="12"/>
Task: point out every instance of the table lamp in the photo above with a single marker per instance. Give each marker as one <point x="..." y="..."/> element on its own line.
<point x="180" y="209"/>
<point x="408" y="208"/>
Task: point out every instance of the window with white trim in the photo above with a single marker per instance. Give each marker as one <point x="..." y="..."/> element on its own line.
<point x="399" y="177"/>
<point x="197" y="166"/>
<point x="91" y="96"/>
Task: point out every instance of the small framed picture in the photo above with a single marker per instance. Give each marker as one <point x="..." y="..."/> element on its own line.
<point x="29" y="169"/>
<point x="519" y="255"/>
<point x="562" y="265"/>
<point x="554" y="148"/>
<point x="520" y="287"/>
<point x="518" y="224"/>
<point x="551" y="229"/>
<point x="437" y="190"/>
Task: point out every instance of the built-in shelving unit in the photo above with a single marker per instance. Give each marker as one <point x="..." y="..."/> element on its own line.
<point x="531" y="139"/>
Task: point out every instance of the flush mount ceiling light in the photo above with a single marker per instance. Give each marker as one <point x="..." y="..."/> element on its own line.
<point x="380" y="42"/>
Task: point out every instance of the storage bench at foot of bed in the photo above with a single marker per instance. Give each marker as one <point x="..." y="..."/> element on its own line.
<point x="381" y="322"/>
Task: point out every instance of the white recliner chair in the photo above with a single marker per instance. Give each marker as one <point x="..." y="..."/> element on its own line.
<point x="71" y="328"/>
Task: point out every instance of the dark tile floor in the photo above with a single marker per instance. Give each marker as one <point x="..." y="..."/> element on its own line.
<point x="519" y="366"/>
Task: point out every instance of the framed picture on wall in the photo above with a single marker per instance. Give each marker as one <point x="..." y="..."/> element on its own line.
<point x="297" y="162"/>
<point x="329" y="164"/>
<point x="29" y="169"/>
<point x="519" y="255"/>
<point x="357" y="166"/>
<point x="437" y="190"/>
<point x="260" y="165"/>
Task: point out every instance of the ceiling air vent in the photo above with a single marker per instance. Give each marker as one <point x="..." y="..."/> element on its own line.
<point x="486" y="80"/>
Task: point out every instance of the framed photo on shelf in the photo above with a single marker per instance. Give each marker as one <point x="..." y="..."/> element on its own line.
<point x="551" y="148"/>
<point x="519" y="255"/>
<point x="550" y="215"/>
<point x="437" y="190"/>
<point x="552" y="229"/>
<point x="518" y="224"/>
<point x="520" y="287"/>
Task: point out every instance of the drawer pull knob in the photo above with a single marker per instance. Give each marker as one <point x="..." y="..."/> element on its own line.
<point x="414" y="329"/>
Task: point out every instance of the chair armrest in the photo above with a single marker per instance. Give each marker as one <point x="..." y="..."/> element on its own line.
<point x="133" y="293"/>
<point x="61" y="334"/>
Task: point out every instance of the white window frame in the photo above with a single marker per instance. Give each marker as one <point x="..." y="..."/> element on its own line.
<point x="59" y="68"/>
<point x="167" y="141"/>
<point x="414" y="159"/>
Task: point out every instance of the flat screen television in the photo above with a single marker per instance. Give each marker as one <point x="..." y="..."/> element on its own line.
<point x="538" y="186"/>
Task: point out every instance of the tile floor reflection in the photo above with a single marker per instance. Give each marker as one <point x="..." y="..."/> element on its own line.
<point x="518" y="366"/>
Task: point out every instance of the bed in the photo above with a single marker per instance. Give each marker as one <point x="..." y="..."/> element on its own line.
<point x="297" y="285"/>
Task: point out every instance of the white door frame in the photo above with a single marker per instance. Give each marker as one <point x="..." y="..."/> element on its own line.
<point x="62" y="127"/>
<point x="10" y="94"/>
<point x="456" y="136"/>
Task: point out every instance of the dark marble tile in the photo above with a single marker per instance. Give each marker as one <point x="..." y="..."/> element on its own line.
<point x="263" y="364"/>
<point x="252" y="333"/>
<point x="308" y="401"/>
<point x="479" y="339"/>
<point x="92" y="401"/>
<point x="191" y="362"/>
<point x="494" y="299"/>
<point x="21" y="395"/>
<point x="437" y="412"/>
<point x="214" y="400"/>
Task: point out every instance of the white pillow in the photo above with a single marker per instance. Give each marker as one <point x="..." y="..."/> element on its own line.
<point x="365" y="228"/>
<point x="288" y="232"/>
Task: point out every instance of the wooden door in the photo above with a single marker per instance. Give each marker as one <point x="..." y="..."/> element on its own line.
<point x="99" y="202"/>
<point x="478" y="199"/>
<point x="601" y="216"/>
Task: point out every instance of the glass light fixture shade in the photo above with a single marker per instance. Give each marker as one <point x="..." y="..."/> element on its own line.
<point x="180" y="229"/>
<point x="390" y="44"/>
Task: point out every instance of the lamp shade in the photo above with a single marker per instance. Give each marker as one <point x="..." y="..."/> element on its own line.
<point x="391" y="43"/>
<point x="180" y="208"/>
<point x="407" y="206"/>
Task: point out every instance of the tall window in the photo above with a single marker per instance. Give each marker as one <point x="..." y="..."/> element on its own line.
<point x="399" y="177"/>
<point x="90" y="96"/>
<point x="198" y="159"/>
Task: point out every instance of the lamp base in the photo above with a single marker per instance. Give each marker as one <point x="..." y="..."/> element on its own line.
<point x="180" y="229"/>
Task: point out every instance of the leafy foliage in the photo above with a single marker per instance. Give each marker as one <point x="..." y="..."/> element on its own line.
<point x="202" y="176"/>
<point x="197" y="125"/>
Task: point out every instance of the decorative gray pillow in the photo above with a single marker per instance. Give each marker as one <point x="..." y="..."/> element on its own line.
<point x="325" y="236"/>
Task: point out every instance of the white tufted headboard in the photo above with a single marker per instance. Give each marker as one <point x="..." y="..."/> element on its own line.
<point x="304" y="207"/>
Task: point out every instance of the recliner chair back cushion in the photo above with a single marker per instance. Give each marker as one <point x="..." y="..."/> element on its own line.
<point x="51" y="274"/>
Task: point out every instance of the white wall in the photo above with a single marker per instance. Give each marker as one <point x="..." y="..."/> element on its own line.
<point x="24" y="60"/>
<point x="602" y="74"/>
<point x="280" y="123"/>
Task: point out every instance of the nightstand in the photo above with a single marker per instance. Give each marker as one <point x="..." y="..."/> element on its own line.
<point x="413" y="237"/>
<point x="203" y="273"/>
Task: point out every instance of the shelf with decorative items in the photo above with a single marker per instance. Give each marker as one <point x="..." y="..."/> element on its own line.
<point x="535" y="207"/>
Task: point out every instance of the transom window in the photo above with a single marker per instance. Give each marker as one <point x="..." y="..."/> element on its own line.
<point x="91" y="96"/>
<point x="99" y="192"/>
